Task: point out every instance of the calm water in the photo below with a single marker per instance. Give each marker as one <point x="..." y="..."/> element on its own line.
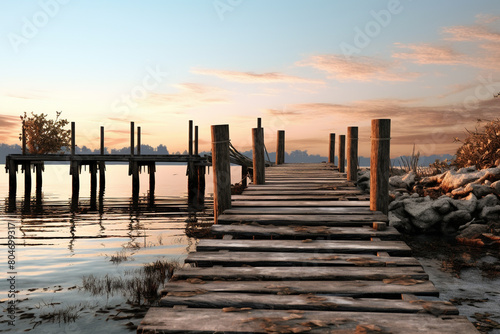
<point x="57" y="248"/>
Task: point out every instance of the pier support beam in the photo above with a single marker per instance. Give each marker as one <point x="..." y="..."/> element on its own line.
<point x="27" y="183"/>
<point x="201" y="186"/>
<point x="331" y="149"/>
<point x="280" y="148"/>
<point x="222" y="170"/>
<point x="134" y="171"/>
<point x="39" y="167"/>
<point x="152" y="183"/>
<point x="352" y="153"/>
<point x="259" y="164"/>
<point x="75" y="184"/>
<point x="12" y="183"/>
<point x="380" y="165"/>
<point x="93" y="185"/>
<point x="342" y="153"/>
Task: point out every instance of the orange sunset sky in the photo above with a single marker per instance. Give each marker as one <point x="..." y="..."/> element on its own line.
<point x="307" y="67"/>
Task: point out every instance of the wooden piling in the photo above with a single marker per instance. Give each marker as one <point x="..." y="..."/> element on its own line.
<point x="259" y="167"/>
<point x="196" y="140"/>
<point x="103" y="149"/>
<point x="132" y="132"/>
<point x="259" y="122"/>
<point x="201" y="186"/>
<point x="12" y="183"/>
<point x="38" y="174"/>
<point x="135" y="180"/>
<point x="352" y="153"/>
<point x="75" y="183"/>
<point x="73" y="134"/>
<point x="27" y="182"/>
<point x="342" y="153"/>
<point x="102" y="176"/>
<point x="152" y="182"/>
<point x="380" y="165"/>
<point x="23" y="138"/>
<point x="331" y="150"/>
<point x="244" y="176"/>
<point x="190" y="144"/>
<point x="222" y="171"/>
<point x="93" y="185"/>
<point x="280" y="148"/>
<point x="138" y="140"/>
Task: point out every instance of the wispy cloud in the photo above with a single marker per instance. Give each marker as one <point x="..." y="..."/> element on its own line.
<point x="358" y="68"/>
<point x="430" y="54"/>
<point x="252" y="77"/>
<point x="432" y="128"/>
<point x="471" y="33"/>
<point x="9" y="128"/>
<point x="190" y="95"/>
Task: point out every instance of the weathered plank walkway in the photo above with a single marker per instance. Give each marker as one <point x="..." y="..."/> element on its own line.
<point x="300" y="254"/>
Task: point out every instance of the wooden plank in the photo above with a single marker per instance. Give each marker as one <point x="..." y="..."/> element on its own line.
<point x="302" y="186"/>
<point x="328" y="220"/>
<point x="314" y="197"/>
<point x="316" y="246"/>
<point x="308" y="192"/>
<point x="323" y="210"/>
<point x="168" y="320"/>
<point x="353" y="288"/>
<point x="311" y="302"/>
<point x="242" y="200"/>
<point x="257" y="230"/>
<point x="262" y="259"/>
<point x="301" y="273"/>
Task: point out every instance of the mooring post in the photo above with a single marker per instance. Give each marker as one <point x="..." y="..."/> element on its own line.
<point x="280" y="148"/>
<point x="259" y="122"/>
<point x="73" y="134"/>
<point x="93" y="185"/>
<point x="12" y="183"/>
<point x="24" y="137"/>
<point x="342" y="153"/>
<point x="103" y="149"/>
<point x="138" y="140"/>
<point x="132" y="134"/>
<point x="222" y="170"/>
<point x="191" y="170"/>
<point x="74" y="170"/>
<point x="196" y="140"/>
<point x="244" y="176"/>
<point x="259" y="165"/>
<point x="352" y="153"/>
<point x="331" y="150"/>
<point x="152" y="182"/>
<point x="380" y="164"/>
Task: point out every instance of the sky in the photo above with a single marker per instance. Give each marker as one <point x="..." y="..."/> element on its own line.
<point x="307" y="67"/>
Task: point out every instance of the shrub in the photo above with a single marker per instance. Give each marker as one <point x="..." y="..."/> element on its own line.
<point x="481" y="147"/>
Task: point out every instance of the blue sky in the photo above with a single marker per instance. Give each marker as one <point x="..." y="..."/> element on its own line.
<point x="430" y="66"/>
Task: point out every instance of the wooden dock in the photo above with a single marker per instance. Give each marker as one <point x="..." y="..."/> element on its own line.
<point x="302" y="253"/>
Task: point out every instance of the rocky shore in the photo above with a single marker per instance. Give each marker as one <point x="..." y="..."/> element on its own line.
<point x="461" y="203"/>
